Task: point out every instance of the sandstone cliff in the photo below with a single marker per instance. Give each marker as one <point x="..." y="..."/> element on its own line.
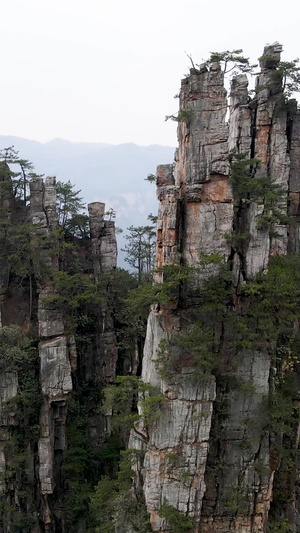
<point x="39" y="377"/>
<point x="216" y="448"/>
<point x="212" y="455"/>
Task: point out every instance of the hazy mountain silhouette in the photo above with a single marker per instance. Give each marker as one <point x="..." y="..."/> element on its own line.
<point x="114" y="174"/>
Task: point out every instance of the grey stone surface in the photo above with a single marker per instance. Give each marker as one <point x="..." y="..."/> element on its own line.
<point x="55" y="368"/>
<point x="196" y="213"/>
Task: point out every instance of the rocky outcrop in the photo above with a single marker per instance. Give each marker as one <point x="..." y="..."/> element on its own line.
<point x="218" y="472"/>
<point x="55" y="368"/>
<point x="8" y="391"/>
<point x="208" y="457"/>
<point x="104" y="257"/>
<point x="103" y="239"/>
<point x="5" y="214"/>
<point x="62" y="359"/>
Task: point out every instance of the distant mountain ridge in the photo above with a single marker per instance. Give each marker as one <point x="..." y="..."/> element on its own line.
<point x="114" y="174"/>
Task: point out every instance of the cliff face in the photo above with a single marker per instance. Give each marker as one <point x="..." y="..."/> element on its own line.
<point x="37" y="383"/>
<point x="211" y="455"/>
<point x="217" y="446"/>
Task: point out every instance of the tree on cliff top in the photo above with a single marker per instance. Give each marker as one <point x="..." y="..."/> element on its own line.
<point x="68" y="202"/>
<point x="69" y="207"/>
<point x="140" y="250"/>
<point x="22" y="175"/>
<point x="230" y="60"/>
<point x="290" y="74"/>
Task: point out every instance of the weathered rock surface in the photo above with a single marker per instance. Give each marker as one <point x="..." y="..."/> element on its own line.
<point x="104" y="258"/>
<point x="5" y="213"/>
<point x="219" y="473"/>
<point x="8" y="391"/>
<point x="55" y="367"/>
<point x="60" y="364"/>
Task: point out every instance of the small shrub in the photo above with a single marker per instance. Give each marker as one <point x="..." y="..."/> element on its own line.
<point x="184" y="115"/>
<point x="179" y="522"/>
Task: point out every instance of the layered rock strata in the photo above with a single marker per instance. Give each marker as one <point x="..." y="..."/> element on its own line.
<point x="60" y="365"/>
<point x="219" y="474"/>
<point x="55" y="368"/>
<point x="104" y="257"/>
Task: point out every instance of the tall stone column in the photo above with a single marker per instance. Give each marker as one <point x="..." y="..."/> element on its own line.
<point x="214" y="464"/>
<point x="55" y="367"/>
<point x="104" y="258"/>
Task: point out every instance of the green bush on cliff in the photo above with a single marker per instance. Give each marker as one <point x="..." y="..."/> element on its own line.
<point x="155" y="293"/>
<point x="196" y="345"/>
<point x="191" y="349"/>
<point x="280" y="527"/>
<point x="184" y="115"/>
<point x="179" y="522"/>
<point x="20" y="355"/>
<point x="248" y="188"/>
<point x="264" y="320"/>
<point x="74" y="293"/>
<point x="114" y="504"/>
<point x="121" y="403"/>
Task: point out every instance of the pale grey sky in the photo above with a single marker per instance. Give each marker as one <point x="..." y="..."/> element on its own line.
<point x="107" y="71"/>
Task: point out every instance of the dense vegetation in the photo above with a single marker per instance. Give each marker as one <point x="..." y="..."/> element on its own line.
<point x="97" y="487"/>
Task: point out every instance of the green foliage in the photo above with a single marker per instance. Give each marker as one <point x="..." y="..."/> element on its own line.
<point x="140" y="250"/>
<point x="20" y="355"/>
<point x="280" y="527"/>
<point x="110" y="214"/>
<point x="132" y="512"/>
<point x="284" y="73"/>
<point x="78" y="225"/>
<point x="197" y="345"/>
<point x="192" y="348"/>
<point x="281" y="411"/>
<point x="174" y="459"/>
<point x="130" y="320"/>
<point x="184" y="115"/>
<point x="179" y="522"/>
<point x="151" y="178"/>
<point x="152" y="218"/>
<point x="232" y="59"/>
<point x="16" y="245"/>
<point x="198" y="342"/>
<point x="210" y="259"/>
<point x="101" y="505"/>
<point x="121" y="402"/>
<point x="77" y="467"/>
<point x="237" y="499"/>
<point x="73" y="293"/>
<point x="174" y="277"/>
<point x="269" y="308"/>
<point x="135" y="306"/>
<point x="248" y="188"/>
<point x="83" y="461"/>
<point x="22" y="174"/>
<point x="10" y="350"/>
<point x="110" y="449"/>
<point x="113" y="503"/>
<point x="68" y="202"/>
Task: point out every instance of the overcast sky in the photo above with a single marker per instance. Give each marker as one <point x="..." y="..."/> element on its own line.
<point x="107" y="71"/>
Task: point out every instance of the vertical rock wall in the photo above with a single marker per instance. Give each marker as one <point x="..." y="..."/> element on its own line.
<point x="5" y="214"/>
<point x="104" y="258"/>
<point x="219" y="474"/>
<point x="59" y="369"/>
